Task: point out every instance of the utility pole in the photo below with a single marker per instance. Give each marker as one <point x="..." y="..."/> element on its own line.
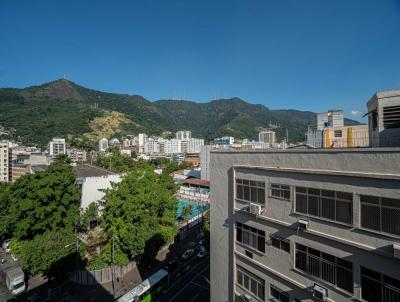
<point x="113" y="267"/>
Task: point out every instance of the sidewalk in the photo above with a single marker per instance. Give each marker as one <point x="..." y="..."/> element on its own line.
<point x="104" y="292"/>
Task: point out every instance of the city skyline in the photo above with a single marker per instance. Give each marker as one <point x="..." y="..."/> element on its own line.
<point x="286" y="55"/>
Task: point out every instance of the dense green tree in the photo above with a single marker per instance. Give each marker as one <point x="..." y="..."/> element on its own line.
<point x="115" y="162"/>
<point x="89" y="214"/>
<point x="142" y="207"/>
<point x="42" y="202"/>
<point x="4" y="204"/>
<point x="47" y="252"/>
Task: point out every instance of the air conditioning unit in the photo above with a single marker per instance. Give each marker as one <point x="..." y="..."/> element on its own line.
<point x="245" y="298"/>
<point x="396" y="251"/>
<point x="255" y="209"/>
<point x="320" y="293"/>
<point x="302" y="224"/>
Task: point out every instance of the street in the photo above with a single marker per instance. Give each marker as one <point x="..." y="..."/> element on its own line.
<point x="4" y="292"/>
<point x="194" y="286"/>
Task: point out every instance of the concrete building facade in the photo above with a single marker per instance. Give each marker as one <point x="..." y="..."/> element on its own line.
<point x="183" y="135"/>
<point x="57" y="146"/>
<point x="5" y="162"/>
<point x="384" y="119"/>
<point x="305" y="225"/>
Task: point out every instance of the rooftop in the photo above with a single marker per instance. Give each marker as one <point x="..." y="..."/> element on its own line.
<point x="197" y="182"/>
<point x="86" y="170"/>
<point x="316" y="150"/>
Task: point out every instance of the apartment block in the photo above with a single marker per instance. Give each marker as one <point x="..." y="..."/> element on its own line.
<point x="183" y="135"/>
<point x="305" y="225"/>
<point x="5" y="162"/>
<point x="57" y="146"/>
<point x="267" y="137"/>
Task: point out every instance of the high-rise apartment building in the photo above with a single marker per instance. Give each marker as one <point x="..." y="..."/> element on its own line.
<point x="57" y="146"/>
<point x="267" y="137"/>
<point x="184" y="135"/>
<point x="5" y="161"/>
<point x="305" y="225"/>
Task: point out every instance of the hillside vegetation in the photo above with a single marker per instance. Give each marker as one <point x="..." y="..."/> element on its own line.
<point x="62" y="108"/>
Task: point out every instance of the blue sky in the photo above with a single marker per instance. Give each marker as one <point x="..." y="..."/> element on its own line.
<point x="307" y="55"/>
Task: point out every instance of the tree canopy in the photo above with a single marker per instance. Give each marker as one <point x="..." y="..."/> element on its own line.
<point x="39" y="212"/>
<point x="141" y="208"/>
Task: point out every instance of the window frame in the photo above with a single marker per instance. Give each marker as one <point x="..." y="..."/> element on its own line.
<point x="257" y="237"/>
<point x="318" y="271"/>
<point x="379" y="206"/>
<point x="380" y="281"/>
<point x="280" y="293"/>
<point x="280" y="240"/>
<point x="278" y="187"/>
<point x="260" y="282"/>
<point x="319" y="199"/>
<point x="247" y="187"/>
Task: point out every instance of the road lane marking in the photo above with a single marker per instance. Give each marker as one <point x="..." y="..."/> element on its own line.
<point x="199" y="285"/>
<point x="189" y="283"/>
<point x="194" y="298"/>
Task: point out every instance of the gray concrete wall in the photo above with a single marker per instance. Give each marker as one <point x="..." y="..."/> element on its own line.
<point x="360" y="171"/>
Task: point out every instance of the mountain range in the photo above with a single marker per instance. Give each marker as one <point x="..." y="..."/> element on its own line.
<point x="64" y="109"/>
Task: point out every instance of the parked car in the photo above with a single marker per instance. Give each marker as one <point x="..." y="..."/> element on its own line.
<point x="187" y="254"/>
<point x="202" y="253"/>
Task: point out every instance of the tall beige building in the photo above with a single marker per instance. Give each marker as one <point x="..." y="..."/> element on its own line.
<point x="5" y="162"/>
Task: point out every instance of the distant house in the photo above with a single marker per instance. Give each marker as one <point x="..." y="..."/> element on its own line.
<point x="94" y="181"/>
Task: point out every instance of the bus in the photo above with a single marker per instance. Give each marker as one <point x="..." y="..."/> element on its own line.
<point x="148" y="290"/>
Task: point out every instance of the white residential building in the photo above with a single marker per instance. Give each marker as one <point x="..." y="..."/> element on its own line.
<point x="142" y="139"/>
<point x="172" y="146"/>
<point x="267" y="137"/>
<point x="225" y="140"/>
<point x="195" y="145"/>
<point x="184" y="135"/>
<point x="103" y="145"/>
<point x="5" y="163"/>
<point x="57" y="146"/>
<point x="77" y="155"/>
<point x="151" y="146"/>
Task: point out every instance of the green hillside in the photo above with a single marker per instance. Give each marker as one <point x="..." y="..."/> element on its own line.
<point x="60" y="108"/>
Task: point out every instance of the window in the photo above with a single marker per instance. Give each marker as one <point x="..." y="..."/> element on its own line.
<point x="378" y="287"/>
<point x="250" y="282"/>
<point x="327" y="204"/>
<point x="280" y="243"/>
<point x="324" y="266"/>
<point x="380" y="214"/>
<point x="391" y="117"/>
<point x="280" y="191"/>
<point x="279" y="294"/>
<point x="338" y="133"/>
<point x="248" y="190"/>
<point x="250" y="236"/>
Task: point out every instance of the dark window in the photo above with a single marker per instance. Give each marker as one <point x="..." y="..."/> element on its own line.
<point x="250" y="282"/>
<point x="250" y="236"/>
<point x="338" y="133"/>
<point x="378" y="287"/>
<point x="324" y="266"/>
<point x="253" y="191"/>
<point x="380" y="214"/>
<point x="280" y="191"/>
<point x="280" y="243"/>
<point x="279" y="294"/>
<point x="328" y="204"/>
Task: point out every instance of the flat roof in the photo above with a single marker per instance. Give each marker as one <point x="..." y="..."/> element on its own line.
<point x="197" y="182"/>
<point x="316" y="150"/>
<point x="86" y="170"/>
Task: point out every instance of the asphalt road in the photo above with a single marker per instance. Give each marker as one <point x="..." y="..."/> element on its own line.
<point x="192" y="286"/>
